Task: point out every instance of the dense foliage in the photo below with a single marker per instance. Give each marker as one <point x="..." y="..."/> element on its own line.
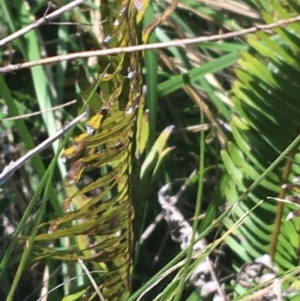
<point x="172" y="188"/>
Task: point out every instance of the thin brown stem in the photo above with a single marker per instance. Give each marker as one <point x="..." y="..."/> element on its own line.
<point x="41" y="21"/>
<point x="176" y="43"/>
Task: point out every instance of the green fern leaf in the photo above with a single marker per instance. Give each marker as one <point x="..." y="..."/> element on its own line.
<point x="266" y="121"/>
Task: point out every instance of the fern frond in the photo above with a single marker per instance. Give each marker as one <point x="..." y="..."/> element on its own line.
<point x="99" y="227"/>
<point x="100" y="179"/>
<point x="266" y="121"/>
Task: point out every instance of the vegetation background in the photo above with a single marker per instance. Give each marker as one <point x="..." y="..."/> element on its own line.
<point x="212" y="233"/>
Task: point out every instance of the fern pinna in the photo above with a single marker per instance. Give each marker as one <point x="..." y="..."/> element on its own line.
<point x="99" y="226"/>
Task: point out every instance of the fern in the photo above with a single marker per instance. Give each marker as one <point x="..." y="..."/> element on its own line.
<point x="265" y="122"/>
<point x="100" y="179"/>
